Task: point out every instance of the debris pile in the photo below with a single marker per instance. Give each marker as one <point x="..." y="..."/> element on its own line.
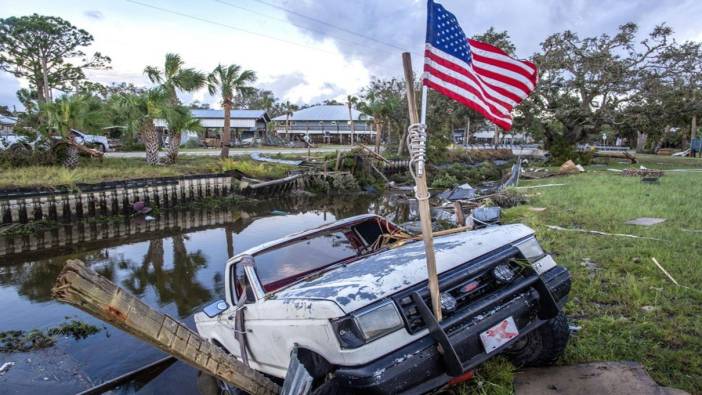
<point x="642" y="172"/>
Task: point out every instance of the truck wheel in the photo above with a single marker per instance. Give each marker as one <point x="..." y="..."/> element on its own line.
<point x="542" y="346"/>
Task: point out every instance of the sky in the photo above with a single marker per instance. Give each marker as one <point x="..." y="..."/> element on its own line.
<point x="307" y="51"/>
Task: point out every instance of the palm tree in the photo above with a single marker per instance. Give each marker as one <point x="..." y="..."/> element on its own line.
<point x="173" y="78"/>
<point x="267" y="102"/>
<point x="382" y="110"/>
<point x="350" y="101"/>
<point x="72" y="112"/>
<point x="141" y="110"/>
<point x="179" y="119"/>
<point x="288" y="112"/>
<point x="229" y="81"/>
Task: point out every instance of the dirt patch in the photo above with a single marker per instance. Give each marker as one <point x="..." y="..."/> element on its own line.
<point x="624" y="378"/>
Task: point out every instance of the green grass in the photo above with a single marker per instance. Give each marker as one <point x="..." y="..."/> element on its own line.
<point x="114" y="169"/>
<point x="609" y="295"/>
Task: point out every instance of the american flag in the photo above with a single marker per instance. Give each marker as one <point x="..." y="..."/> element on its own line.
<point x="476" y="74"/>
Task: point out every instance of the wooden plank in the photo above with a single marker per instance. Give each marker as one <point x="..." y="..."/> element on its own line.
<point x="83" y="288"/>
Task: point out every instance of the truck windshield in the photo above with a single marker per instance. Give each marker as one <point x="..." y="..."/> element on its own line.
<point x="282" y="266"/>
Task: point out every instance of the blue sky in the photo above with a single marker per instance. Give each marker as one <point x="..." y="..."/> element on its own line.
<point x="303" y="60"/>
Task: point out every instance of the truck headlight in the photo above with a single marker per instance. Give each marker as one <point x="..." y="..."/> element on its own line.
<point x="532" y="251"/>
<point x="367" y="325"/>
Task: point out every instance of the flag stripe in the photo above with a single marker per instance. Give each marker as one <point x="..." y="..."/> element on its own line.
<point x="530" y="77"/>
<point x="470" y="96"/>
<point x="504" y="124"/>
<point x="495" y="108"/>
<point x="517" y="79"/>
<point x="507" y="94"/>
<point x="447" y="68"/>
<point x="490" y="51"/>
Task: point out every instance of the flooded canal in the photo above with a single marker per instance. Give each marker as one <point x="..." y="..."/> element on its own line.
<point x="173" y="262"/>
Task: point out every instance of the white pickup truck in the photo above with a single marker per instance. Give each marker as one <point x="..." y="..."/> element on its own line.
<point x="350" y="301"/>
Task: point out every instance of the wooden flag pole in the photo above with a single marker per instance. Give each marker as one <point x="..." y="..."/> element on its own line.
<point x="421" y="189"/>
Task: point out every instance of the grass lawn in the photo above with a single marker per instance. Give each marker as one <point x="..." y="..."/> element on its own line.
<point x="112" y="169"/>
<point x="627" y="308"/>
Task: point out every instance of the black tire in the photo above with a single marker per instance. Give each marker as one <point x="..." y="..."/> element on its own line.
<point x="543" y="346"/>
<point x="101" y="148"/>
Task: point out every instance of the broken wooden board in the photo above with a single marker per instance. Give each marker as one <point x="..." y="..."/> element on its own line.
<point x="602" y="378"/>
<point x="83" y="288"/>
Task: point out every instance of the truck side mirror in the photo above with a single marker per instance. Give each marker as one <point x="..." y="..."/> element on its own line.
<point x="214" y="309"/>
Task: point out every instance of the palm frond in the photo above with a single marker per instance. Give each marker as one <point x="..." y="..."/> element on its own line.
<point x="174" y="63"/>
<point x="153" y="74"/>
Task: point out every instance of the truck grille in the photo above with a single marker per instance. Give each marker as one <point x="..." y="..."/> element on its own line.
<point x="466" y="284"/>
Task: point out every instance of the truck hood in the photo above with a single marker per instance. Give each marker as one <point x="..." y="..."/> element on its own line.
<point x="365" y="281"/>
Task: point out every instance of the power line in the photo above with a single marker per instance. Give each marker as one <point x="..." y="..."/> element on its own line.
<point x="285" y="21"/>
<point x="329" y="24"/>
<point x="166" y="10"/>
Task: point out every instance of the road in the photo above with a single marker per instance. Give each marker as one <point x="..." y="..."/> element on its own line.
<point x="232" y="152"/>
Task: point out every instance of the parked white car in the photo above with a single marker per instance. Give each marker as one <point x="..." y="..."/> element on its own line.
<point x="349" y="303"/>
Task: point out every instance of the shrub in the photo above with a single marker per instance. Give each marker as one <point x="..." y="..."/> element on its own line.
<point x="445" y="180"/>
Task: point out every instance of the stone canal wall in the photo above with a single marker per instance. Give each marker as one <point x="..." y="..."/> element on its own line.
<point x="108" y="198"/>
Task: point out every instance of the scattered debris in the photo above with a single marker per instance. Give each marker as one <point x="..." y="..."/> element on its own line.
<point x="486" y="215"/>
<point x="645" y="221"/>
<point x="537" y="209"/>
<point x="461" y="192"/>
<point x="664" y="271"/>
<point x="614" y="377"/>
<point x="691" y="230"/>
<point x="568" y="167"/>
<point x="260" y="158"/>
<point x="597" y="232"/>
<point x="648" y="309"/>
<point x="6" y="367"/>
<point x="574" y="329"/>
<point x="643" y="172"/>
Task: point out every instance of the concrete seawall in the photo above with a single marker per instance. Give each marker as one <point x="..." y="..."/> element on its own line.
<point x="108" y="198"/>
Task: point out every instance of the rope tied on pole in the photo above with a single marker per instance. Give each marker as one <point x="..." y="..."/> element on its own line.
<point x="417" y="145"/>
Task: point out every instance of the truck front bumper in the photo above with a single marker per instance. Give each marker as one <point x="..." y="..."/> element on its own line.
<point x="419" y="367"/>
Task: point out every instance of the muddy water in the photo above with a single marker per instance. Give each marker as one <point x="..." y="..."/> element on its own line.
<point x="175" y="267"/>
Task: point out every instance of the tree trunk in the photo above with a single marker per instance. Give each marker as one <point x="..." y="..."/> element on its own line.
<point x="641" y="141"/>
<point x="378" y="135"/>
<point x="226" y="131"/>
<point x="401" y="143"/>
<point x="99" y="297"/>
<point x="150" y="138"/>
<point x="71" y="160"/>
<point x="466" y="134"/>
<point x="693" y="130"/>
<point x="173" y="147"/>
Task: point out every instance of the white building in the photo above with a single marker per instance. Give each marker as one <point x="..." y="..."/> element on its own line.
<point x="326" y="123"/>
<point x="6" y="124"/>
